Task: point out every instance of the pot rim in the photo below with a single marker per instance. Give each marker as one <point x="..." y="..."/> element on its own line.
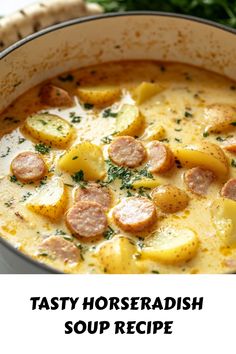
<point x="68" y="23"/>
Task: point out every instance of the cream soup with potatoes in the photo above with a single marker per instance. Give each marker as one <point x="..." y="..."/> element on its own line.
<point x="125" y="167"/>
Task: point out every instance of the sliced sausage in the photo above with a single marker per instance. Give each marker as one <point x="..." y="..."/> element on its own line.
<point x="28" y="166"/>
<point x="198" y="180"/>
<point x="61" y="249"/>
<point x="230" y="145"/>
<point x="229" y="189"/>
<point x="161" y="158"/>
<point x="127" y="151"/>
<point x="93" y="192"/>
<point x="55" y="96"/>
<point x="135" y="214"/>
<point x="170" y="199"/>
<point x="87" y="219"/>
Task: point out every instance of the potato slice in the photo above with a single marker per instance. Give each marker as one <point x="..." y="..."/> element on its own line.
<point x="219" y="118"/>
<point x="129" y="120"/>
<point x="86" y="157"/>
<point x="118" y="256"/>
<point x="153" y="132"/>
<point x="49" y="129"/>
<point x="206" y="155"/>
<point x="146" y="183"/>
<point x="223" y="212"/>
<point x="172" y="246"/>
<point x="145" y="91"/>
<point x="170" y="199"/>
<point x="50" y="200"/>
<point x="100" y="96"/>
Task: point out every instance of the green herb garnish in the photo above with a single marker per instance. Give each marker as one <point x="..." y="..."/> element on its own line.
<point x="42" y="148"/>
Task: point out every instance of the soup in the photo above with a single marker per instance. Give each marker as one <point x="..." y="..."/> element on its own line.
<point x="125" y="167"/>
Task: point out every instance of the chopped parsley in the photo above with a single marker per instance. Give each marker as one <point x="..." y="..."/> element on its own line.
<point x="219" y="138"/>
<point x="178" y="121"/>
<point x="233" y="163"/>
<point x="42" y="148"/>
<point x="74" y="157"/>
<point x="125" y="175"/>
<point x="188" y="114"/>
<point x="6" y="153"/>
<point x="9" y="203"/>
<point x="155" y="272"/>
<point x="78" y="177"/>
<point x="88" y="105"/>
<point x="13" y="179"/>
<point x="178" y="140"/>
<point x="233" y="123"/>
<point x="106" y="140"/>
<point x="178" y="130"/>
<point x="60" y="232"/>
<point x="75" y="118"/>
<point x="109" y="233"/>
<point x="108" y="113"/>
<point x="21" y="140"/>
<point x="25" y="197"/>
<point x="205" y="134"/>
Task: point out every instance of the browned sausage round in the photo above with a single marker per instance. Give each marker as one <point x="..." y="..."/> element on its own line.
<point x="95" y="193"/>
<point x="229" y="189"/>
<point x="127" y="151"/>
<point x="61" y="249"/>
<point x="135" y="214"/>
<point x="28" y="166"/>
<point x="161" y="158"/>
<point x="55" y="96"/>
<point x="198" y="180"/>
<point x="87" y="219"/>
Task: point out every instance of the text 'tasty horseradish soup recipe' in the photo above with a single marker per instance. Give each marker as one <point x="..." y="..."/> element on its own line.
<point x="126" y="167"/>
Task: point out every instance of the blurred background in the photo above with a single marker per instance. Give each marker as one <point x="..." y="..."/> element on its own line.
<point x="222" y="11"/>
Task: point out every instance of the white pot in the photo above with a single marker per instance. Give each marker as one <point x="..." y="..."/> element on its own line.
<point x="112" y="37"/>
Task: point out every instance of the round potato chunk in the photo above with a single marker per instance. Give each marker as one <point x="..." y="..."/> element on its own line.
<point x="135" y="214"/>
<point x="161" y="158"/>
<point x="127" y="151"/>
<point x="93" y="192"/>
<point x="219" y="117"/>
<point x="55" y="96"/>
<point x="86" y="219"/>
<point x="28" y="166"/>
<point x="229" y="189"/>
<point x="198" y="180"/>
<point x="170" y="199"/>
<point x="60" y="248"/>
<point x="172" y="246"/>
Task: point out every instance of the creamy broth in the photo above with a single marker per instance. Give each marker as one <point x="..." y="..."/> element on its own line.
<point x="179" y="108"/>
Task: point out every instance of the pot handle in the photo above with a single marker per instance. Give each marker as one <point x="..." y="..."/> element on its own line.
<point x="41" y="15"/>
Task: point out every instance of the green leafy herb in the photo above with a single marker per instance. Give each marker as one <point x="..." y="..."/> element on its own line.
<point x="233" y="123"/>
<point x="223" y="11"/>
<point x="42" y="148"/>
<point x="155" y="272"/>
<point x="106" y="140"/>
<point x="178" y="140"/>
<point x="6" y="153"/>
<point x="205" y="134"/>
<point x="25" y="197"/>
<point x="188" y="114"/>
<point x="233" y="163"/>
<point x="9" y="203"/>
<point x="78" y="177"/>
<point x="88" y="106"/>
<point x="75" y="118"/>
<point x="109" y="233"/>
<point x="13" y="179"/>
<point x="21" y="140"/>
<point x="60" y="232"/>
<point x="219" y="138"/>
<point x="108" y="113"/>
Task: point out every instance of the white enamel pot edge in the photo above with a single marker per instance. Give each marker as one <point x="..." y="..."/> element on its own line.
<point x="111" y="37"/>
